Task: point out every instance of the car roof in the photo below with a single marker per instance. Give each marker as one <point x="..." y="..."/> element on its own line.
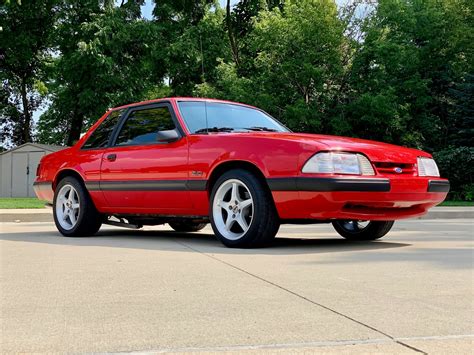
<point x="179" y="98"/>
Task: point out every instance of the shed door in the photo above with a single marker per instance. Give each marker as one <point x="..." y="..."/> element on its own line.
<point x="33" y="161"/>
<point x="19" y="174"/>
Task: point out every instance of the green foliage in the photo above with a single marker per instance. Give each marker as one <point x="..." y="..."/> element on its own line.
<point x="294" y="54"/>
<point x="25" y="39"/>
<point x="453" y="203"/>
<point x="299" y="53"/>
<point x="461" y="114"/>
<point x="468" y="192"/>
<point x="104" y="62"/>
<point x="193" y="56"/>
<point x="458" y="164"/>
<point x="228" y="84"/>
<point x="413" y="53"/>
<point x="183" y="12"/>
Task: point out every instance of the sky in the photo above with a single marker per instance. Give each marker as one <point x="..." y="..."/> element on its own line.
<point x="148" y="7"/>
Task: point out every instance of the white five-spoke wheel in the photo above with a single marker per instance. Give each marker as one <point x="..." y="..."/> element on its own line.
<point x="354" y="226"/>
<point x="242" y="211"/>
<point x="232" y="209"/>
<point x="74" y="212"/>
<point x="67" y="207"/>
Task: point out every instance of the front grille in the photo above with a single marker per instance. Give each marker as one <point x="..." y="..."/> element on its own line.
<point x="394" y="168"/>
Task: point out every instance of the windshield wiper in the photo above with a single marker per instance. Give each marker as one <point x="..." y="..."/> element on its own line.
<point x="214" y="129"/>
<point x="257" y="128"/>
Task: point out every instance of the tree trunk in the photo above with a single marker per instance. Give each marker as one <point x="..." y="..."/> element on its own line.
<point x="75" y="131"/>
<point x="230" y="32"/>
<point x="26" y="128"/>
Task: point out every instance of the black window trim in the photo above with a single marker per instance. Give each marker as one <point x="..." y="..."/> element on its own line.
<point x="101" y="123"/>
<point x="131" y="109"/>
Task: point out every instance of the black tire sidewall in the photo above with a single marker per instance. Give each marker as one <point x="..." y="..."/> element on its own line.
<point x="83" y="227"/>
<point x="260" y="206"/>
<point x="187" y="226"/>
<point x="375" y="230"/>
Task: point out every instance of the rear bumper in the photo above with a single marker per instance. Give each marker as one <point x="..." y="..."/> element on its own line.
<point x="354" y="198"/>
<point x="44" y="190"/>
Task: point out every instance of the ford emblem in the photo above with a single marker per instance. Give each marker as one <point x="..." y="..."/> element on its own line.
<point x="398" y="170"/>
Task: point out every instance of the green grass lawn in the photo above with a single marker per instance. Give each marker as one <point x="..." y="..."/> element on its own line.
<point x="14" y="202"/>
<point x="457" y="203"/>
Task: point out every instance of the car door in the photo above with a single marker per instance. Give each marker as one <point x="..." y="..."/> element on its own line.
<point x="144" y="170"/>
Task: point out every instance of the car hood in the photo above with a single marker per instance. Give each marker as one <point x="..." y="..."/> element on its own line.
<point x="375" y="151"/>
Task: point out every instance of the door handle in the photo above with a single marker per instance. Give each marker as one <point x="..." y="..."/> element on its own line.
<point x="111" y="157"/>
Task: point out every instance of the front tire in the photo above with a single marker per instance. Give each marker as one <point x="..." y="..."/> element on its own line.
<point x="241" y="210"/>
<point x="74" y="212"/>
<point x="362" y="230"/>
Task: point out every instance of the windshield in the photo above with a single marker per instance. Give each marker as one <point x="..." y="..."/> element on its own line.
<point x="225" y="117"/>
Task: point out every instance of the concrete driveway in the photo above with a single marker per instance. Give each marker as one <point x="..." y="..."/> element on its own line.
<point x="157" y="290"/>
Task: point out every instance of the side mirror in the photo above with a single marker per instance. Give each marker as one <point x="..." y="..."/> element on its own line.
<point x="168" y="136"/>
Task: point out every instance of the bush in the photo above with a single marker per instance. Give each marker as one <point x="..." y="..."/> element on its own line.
<point x="467" y="192"/>
<point x="457" y="164"/>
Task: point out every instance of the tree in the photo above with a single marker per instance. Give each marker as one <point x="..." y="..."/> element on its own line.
<point x="295" y="61"/>
<point x="104" y="61"/>
<point x="195" y="54"/>
<point x="461" y="123"/>
<point x="239" y="23"/>
<point x="413" y="52"/>
<point x="25" y="39"/>
<point x="181" y="13"/>
<point x="230" y="32"/>
<point x="245" y="11"/>
<point x="192" y="39"/>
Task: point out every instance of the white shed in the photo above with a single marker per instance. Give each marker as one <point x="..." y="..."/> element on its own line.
<point x="18" y="168"/>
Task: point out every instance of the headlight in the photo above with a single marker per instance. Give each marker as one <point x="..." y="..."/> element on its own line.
<point x="427" y="167"/>
<point x="338" y="163"/>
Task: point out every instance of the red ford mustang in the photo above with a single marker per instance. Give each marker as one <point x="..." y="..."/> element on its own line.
<point x="187" y="162"/>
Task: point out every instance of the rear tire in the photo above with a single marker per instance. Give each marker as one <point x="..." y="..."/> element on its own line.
<point x="356" y="230"/>
<point x="187" y="226"/>
<point x="242" y="211"/>
<point x="73" y="210"/>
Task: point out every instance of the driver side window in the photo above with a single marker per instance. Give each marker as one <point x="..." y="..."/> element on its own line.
<point x="142" y="126"/>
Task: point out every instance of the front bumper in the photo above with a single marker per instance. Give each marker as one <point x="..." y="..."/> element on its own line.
<point x="438" y="186"/>
<point x="328" y="184"/>
<point x="324" y="198"/>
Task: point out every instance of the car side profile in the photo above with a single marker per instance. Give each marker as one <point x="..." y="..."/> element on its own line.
<point x="189" y="161"/>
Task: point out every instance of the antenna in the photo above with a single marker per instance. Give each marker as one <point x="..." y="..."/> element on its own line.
<point x="205" y="109"/>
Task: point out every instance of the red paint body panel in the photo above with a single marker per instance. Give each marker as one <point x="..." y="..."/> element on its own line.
<point x="195" y="157"/>
<point x="148" y="162"/>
